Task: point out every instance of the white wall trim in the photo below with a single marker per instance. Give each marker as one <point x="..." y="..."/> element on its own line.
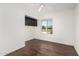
<point x="15" y="48"/>
<point x="76" y="50"/>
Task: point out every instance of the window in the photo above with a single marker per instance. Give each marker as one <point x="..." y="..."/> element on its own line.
<point x="47" y="26"/>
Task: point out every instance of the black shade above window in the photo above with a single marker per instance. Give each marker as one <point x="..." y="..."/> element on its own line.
<point x="29" y="21"/>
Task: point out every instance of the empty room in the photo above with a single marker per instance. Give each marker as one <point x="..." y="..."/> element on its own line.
<point x="39" y="29"/>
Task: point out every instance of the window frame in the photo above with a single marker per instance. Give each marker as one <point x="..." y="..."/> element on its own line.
<point x="47" y="23"/>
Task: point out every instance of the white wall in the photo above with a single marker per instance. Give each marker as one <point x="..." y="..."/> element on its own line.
<point x="63" y="22"/>
<point x="63" y="26"/>
<point x="77" y="29"/>
<point x="31" y="10"/>
<point x="12" y="28"/>
<point x="13" y="32"/>
<point x="30" y="32"/>
<point x="63" y="16"/>
<point x="1" y="31"/>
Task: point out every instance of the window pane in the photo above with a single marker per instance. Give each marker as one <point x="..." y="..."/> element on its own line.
<point x="44" y="26"/>
<point x="49" y="26"/>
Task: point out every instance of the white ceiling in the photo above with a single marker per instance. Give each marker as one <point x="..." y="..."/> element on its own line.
<point x="58" y="6"/>
<point x="61" y="5"/>
<point x="52" y="5"/>
<point x="31" y="9"/>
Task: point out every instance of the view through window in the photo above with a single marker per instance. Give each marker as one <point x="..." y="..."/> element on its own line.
<point x="47" y="26"/>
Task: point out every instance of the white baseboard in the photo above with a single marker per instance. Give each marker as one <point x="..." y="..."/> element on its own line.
<point x="12" y="49"/>
<point x="76" y="50"/>
<point x="57" y="42"/>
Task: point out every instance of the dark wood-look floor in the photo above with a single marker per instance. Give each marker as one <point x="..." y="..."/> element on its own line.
<point x="37" y="47"/>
